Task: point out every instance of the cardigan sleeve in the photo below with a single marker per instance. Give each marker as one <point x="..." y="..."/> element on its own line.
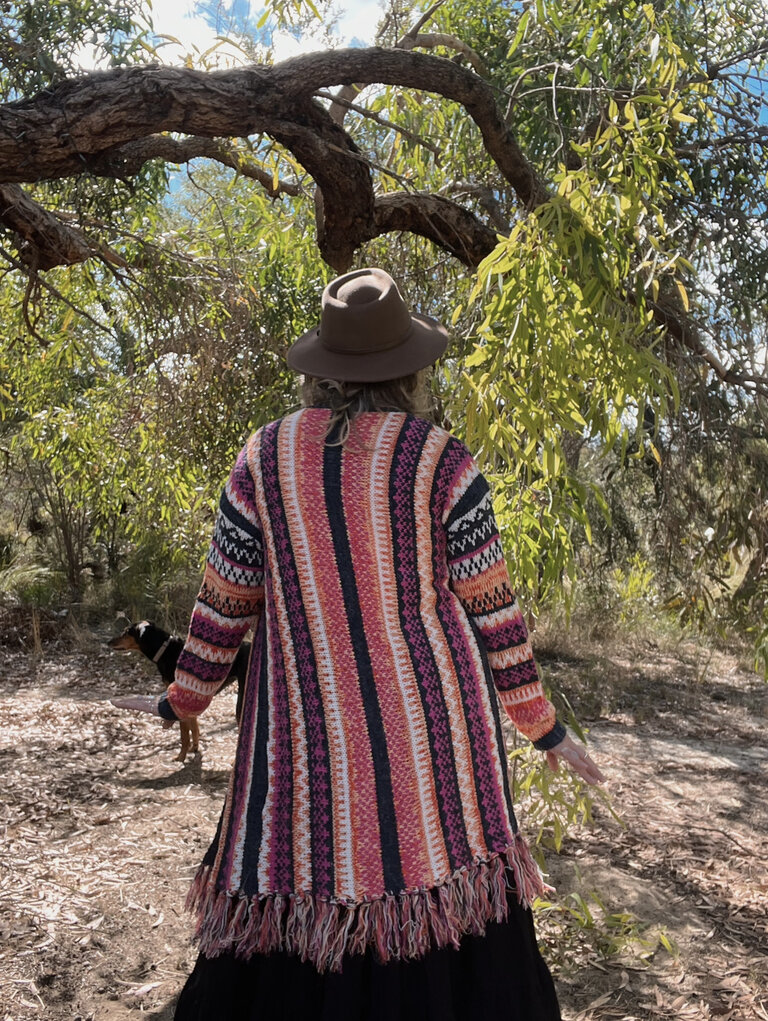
<point x="479" y="577"/>
<point x="229" y="602"/>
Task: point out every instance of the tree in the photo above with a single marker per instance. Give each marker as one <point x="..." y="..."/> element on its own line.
<point x="127" y="117"/>
<point x="592" y="161"/>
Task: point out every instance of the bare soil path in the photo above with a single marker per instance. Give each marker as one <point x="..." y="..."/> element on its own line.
<point x="102" y="832"/>
<point x="681" y="734"/>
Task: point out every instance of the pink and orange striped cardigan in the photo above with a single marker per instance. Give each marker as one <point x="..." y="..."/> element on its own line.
<point x="369" y="802"/>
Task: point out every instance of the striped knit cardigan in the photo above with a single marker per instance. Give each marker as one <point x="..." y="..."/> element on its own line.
<point x="369" y="801"/>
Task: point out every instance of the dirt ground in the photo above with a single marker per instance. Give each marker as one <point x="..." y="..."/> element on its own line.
<point x="103" y="830"/>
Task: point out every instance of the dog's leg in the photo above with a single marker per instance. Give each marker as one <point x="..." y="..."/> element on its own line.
<point x="195" y="729"/>
<point x="239" y="705"/>
<point x="184" y="730"/>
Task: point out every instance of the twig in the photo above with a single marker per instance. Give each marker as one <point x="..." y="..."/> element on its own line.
<point x="713" y="70"/>
<point x="424" y="19"/>
<point x="430" y="41"/>
<point x="380" y="120"/>
<point x="725" y="833"/>
<point x="41" y="282"/>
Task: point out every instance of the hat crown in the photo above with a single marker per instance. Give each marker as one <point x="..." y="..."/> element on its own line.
<point x="352" y="294"/>
<point x="367" y="333"/>
<point x="363" y="312"/>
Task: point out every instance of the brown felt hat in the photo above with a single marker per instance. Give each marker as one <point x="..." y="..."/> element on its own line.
<point x="367" y="333"/>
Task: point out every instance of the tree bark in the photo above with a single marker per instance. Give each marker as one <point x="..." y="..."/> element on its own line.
<point x="449" y="225"/>
<point x="102" y="124"/>
<point x="44" y="240"/>
<point x="109" y="123"/>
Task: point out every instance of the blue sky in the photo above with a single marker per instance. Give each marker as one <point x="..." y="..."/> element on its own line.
<point x="196" y="24"/>
<point x="186" y="30"/>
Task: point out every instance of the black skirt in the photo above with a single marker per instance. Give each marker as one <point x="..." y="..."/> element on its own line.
<point x="500" y="976"/>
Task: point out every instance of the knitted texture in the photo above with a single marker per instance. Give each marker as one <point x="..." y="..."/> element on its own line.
<point x="369" y="802"/>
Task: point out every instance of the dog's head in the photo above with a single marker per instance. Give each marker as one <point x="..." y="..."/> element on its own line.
<point x="131" y="637"/>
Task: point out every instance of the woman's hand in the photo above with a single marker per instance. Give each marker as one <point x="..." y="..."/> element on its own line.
<point x="575" y="755"/>
<point x="144" y="704"/>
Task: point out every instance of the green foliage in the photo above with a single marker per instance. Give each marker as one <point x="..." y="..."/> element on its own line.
<point x="30" y="584"/>
<point x="152" y="377"/>
<point x="564" y="354"/>
<point x="566" y="360"/>
<point x="40" y="42"/>
<point x="290" y="12"/>
<point x="125" y="428"/>
<point x="616" y="455"/>
<point x="635" y="589"/>
<point x="551" y="804"/>
<point x="760" y="638"/>
<point x="579" y="927"/>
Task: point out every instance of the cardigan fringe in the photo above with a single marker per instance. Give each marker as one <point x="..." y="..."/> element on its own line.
<point x="397" y="926"/>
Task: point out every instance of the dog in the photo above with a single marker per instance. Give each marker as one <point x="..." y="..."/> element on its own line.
<point x="164" y="650"/>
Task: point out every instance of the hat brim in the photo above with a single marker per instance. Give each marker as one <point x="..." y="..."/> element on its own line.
<point x="423" y="345"/>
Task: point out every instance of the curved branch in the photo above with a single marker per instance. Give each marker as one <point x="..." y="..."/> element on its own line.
<point x="82" y="124"/>
<point x="344" y="98"/>
<point x="62" y="131"/>
<point x="683" y="330"/>
<point x="429" y="74"/>
<point x="449" y="225"/>
<point x="345" y="188"/>
<point x="109" y="122"/>
<point x="130" y="158"/>
<point x="46" y="241"/>
<point x="346" y="95"/>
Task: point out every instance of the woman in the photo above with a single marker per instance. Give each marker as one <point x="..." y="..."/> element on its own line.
<point x="367" y="863"/>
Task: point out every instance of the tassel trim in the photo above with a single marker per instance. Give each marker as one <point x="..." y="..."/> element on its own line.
<point x="397" y="926"/>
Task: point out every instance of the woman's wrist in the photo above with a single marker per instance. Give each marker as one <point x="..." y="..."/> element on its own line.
<point x="554" y="737"/>
<point x="165" y="709"/>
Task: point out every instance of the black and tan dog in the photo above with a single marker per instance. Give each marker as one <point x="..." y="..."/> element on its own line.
<point x="164" y="650"/>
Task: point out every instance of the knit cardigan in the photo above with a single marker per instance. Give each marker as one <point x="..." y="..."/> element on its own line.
<point x="369" y="802"/>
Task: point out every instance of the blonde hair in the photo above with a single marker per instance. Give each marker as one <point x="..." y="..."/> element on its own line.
<point x="347" y="400"/>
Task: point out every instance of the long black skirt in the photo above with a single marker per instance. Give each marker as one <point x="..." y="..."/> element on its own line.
<point x="500" y="976"/>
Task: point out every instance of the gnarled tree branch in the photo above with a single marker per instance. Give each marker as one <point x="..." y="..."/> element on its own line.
<point x="82" y="125"/>
<point x="449" y="225"/>
<point x="127" y="160"/>
<point x="45" y="240"/>
<point x="111" y="122"/>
